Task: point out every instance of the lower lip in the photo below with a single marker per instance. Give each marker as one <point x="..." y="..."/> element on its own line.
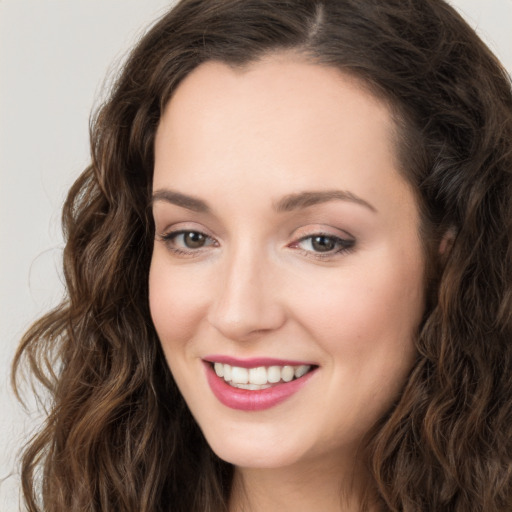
<point x="248" y="400"/>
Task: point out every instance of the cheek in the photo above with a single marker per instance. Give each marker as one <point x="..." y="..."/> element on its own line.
<point x="365" y="322"/>
<point x="373" y="307"/>
<point x="176" y="301"/>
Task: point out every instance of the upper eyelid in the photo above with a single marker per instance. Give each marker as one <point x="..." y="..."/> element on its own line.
<point x="184" y="227"/>
<point x="176" y="232"/>
<point x="350" y="240"/>
<point x="305" y="232"/>
<point x="343" y="235"/>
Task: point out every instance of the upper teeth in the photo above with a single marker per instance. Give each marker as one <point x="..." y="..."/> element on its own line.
<point x="261" y="377"/>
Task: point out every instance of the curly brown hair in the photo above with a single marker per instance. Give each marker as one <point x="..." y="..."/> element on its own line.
<point x="446" y="445"/>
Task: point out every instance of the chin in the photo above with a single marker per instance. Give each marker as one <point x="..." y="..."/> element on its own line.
<point x="255" y="457"/>
<point x="250" y="450"/>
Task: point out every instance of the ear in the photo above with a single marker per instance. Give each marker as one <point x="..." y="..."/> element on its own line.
<point x="447" y="241"/>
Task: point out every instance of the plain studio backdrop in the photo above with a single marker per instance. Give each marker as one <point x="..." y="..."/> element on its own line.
<point x="56" y="57"/>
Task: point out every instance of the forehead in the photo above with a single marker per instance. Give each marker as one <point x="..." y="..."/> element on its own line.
<point x="277" y="126"/>
<point x="286" y="80"/>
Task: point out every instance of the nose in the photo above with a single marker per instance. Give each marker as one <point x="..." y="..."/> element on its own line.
<point x="246" y="302"/>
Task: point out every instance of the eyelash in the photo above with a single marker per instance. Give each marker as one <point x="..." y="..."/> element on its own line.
<point x="343" y="245"/>
<point x="169" y="240"/>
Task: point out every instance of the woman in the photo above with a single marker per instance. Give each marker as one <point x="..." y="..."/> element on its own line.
<point x="289" y="270"/>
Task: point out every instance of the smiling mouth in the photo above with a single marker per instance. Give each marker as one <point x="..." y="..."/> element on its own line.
<point x="261" y="377"/>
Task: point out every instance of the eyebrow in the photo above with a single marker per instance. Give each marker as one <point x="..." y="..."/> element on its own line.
<point x="306" y="199"/>
<point x="287" y="203"/>
<point x="179" y="199"/>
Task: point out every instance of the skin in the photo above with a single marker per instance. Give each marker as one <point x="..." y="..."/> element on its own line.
<point x="241" y="141"/>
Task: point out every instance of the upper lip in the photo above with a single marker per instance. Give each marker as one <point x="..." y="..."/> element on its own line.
<point x="254" y="362"/>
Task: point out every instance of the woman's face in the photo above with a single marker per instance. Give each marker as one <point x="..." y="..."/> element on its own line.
<point x="286" y="243"/>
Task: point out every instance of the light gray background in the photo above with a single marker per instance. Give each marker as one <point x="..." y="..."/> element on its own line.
<point x="54" y="58"/>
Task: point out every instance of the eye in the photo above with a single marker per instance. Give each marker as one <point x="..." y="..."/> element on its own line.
<point x="184" y="241"/>
<point x="192" y="239"/>
<point x="324" y="244"/>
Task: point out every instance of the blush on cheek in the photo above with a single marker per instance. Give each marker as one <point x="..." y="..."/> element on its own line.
<point x="357" y="317"/>
<point x="162" y="304"/>
<point x="176" y="301"/>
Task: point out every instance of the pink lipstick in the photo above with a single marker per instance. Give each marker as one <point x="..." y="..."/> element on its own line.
<point x="255" y="384"/>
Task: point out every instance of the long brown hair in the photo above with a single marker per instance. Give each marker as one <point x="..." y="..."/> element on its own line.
<point x="118" y="435"/>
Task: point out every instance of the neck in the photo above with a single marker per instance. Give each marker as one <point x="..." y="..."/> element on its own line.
<point x="314" y="486"/>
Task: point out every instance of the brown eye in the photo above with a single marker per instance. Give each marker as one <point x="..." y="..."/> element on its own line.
<point x="181" y="242"/>
<point x="323" y="243"/>
<point x="194" y="240"/>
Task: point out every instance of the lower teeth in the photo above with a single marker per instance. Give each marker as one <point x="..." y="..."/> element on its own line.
<point x="254" y="387"/>
<point x="251" y="387"/>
